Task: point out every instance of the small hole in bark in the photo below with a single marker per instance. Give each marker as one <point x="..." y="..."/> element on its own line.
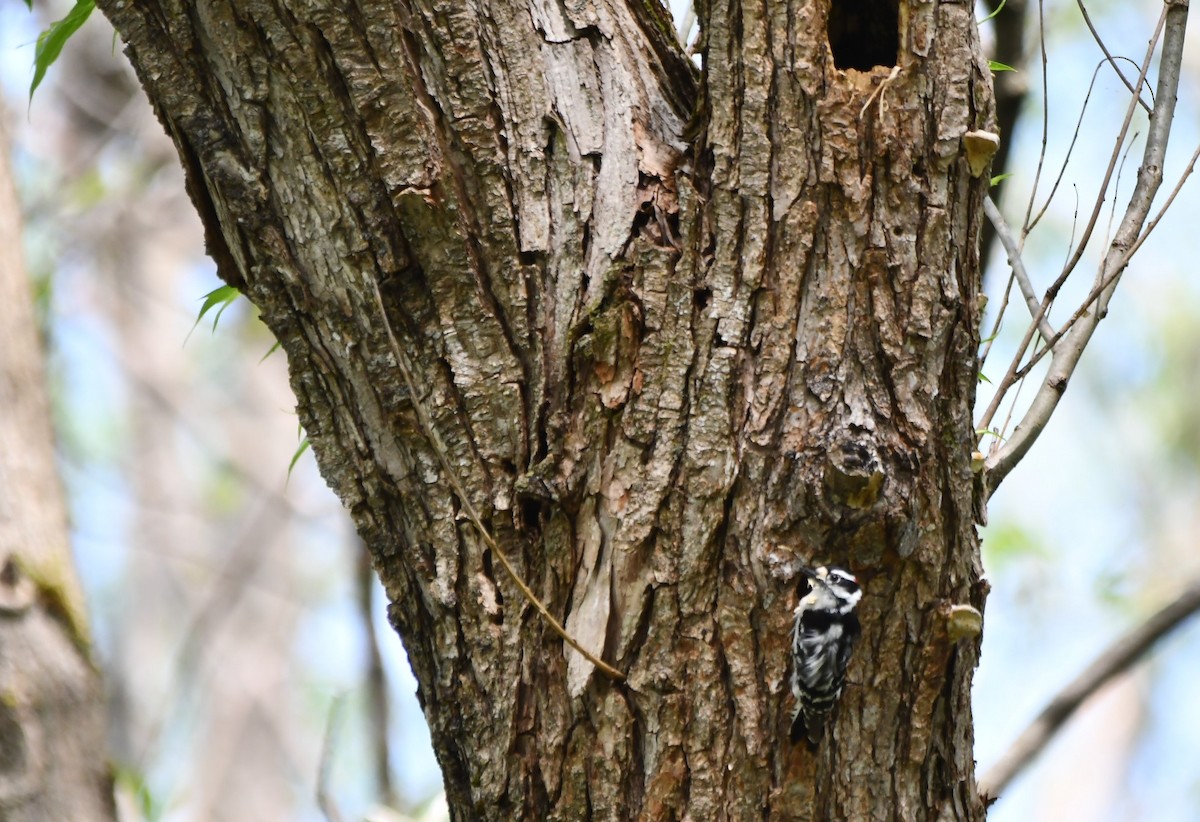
<point x="701" y="296"/>
<point x="9" y="573"/>
<point x="498" y="617"/>
<point x="531" y="514"/>
<point x="641" y="219"/>
<point x="13" y="750"/>
<point x="864" y="33"/>
<point x="543" y="440"/>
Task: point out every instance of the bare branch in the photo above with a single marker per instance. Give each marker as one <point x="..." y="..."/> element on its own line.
<point x="685" y="24"/>
<point x="1005" y="235"/>
<point x="1066" y="353"/>
<point x="1119" y="657"/>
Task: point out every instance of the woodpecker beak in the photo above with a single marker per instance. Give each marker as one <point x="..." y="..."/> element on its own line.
<point x="816" y="577"/>
<point x="811" y="580"/>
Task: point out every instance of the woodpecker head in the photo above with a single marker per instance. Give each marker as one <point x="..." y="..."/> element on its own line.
<point x="829" y="589"/>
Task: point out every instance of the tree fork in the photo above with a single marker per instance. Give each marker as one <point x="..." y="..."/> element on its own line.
<point x="673" y="348"/>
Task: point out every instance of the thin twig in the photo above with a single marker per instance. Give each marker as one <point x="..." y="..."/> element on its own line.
<point x="1112" y="211"/>
<point x="469" y="507"/>
<point x="1010" y="376"/>
<point x="991" y="338"/>
<point x="1098" y="289"/>
<point x="246" y="554"/>
<point x="1187" y="172"/>
<point x="1074" y="220"/>
<point x="1062" y="170"/>
<point x="1066" y="352"/>
<point x="1005" y="235"/>
<point x="1108" y="56"/>
<point x="1037" y="176"/>
<point x="1083" y="309"/>
<point x="1010" y="88"/>
<point x="1118" y="658"/>
<point x="376" y="678"/>
<point x="1008" y="417"/>
<point x="324" y="800"/>
<point x="1081" y="246"/>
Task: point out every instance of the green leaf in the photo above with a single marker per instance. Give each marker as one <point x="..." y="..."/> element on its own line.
<point x="983" y="378"/>
<point x="222" y="296"/>
<point x="135" y="784"/>
<point x="1008" y="543"/>
<point x="51" y="41"/>
<point x="304" y="444"/>
<point x="994" y="13"/>
<point x="271" y="351"/>
<point x="29" y="3"/>
<point x="999" y="178"/>
<point x="996" y="66"/>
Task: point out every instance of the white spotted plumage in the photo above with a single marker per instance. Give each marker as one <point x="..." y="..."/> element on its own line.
<point x="823" y="634"/>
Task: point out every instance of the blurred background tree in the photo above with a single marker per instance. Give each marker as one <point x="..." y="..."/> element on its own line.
<point x="52" y="705"/>
<point x="231" y="604"/>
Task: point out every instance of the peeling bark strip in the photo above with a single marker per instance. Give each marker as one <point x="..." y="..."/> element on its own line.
<point x="679" y="332"/>
<point x="464" y="499"/>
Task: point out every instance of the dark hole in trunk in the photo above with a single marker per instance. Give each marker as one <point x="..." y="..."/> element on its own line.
<point x="864" y="33"/>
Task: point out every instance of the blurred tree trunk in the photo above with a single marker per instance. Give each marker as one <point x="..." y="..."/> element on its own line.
<point x="674" y="333"/>
<point x="53" y="762"/>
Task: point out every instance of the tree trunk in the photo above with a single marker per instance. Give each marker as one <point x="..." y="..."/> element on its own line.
<point x="53" y="762"/>
<point x="672" y="333"/>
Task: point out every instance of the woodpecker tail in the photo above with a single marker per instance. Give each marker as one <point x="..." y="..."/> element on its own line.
<point x="809" y="726"/>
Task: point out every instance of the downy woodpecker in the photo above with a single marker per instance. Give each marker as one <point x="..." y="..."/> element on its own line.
<point x="823" y="636"/>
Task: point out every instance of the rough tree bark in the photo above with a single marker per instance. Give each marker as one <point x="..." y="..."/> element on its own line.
<point x="52" y="728"/>
<point x="675" y="332"/>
